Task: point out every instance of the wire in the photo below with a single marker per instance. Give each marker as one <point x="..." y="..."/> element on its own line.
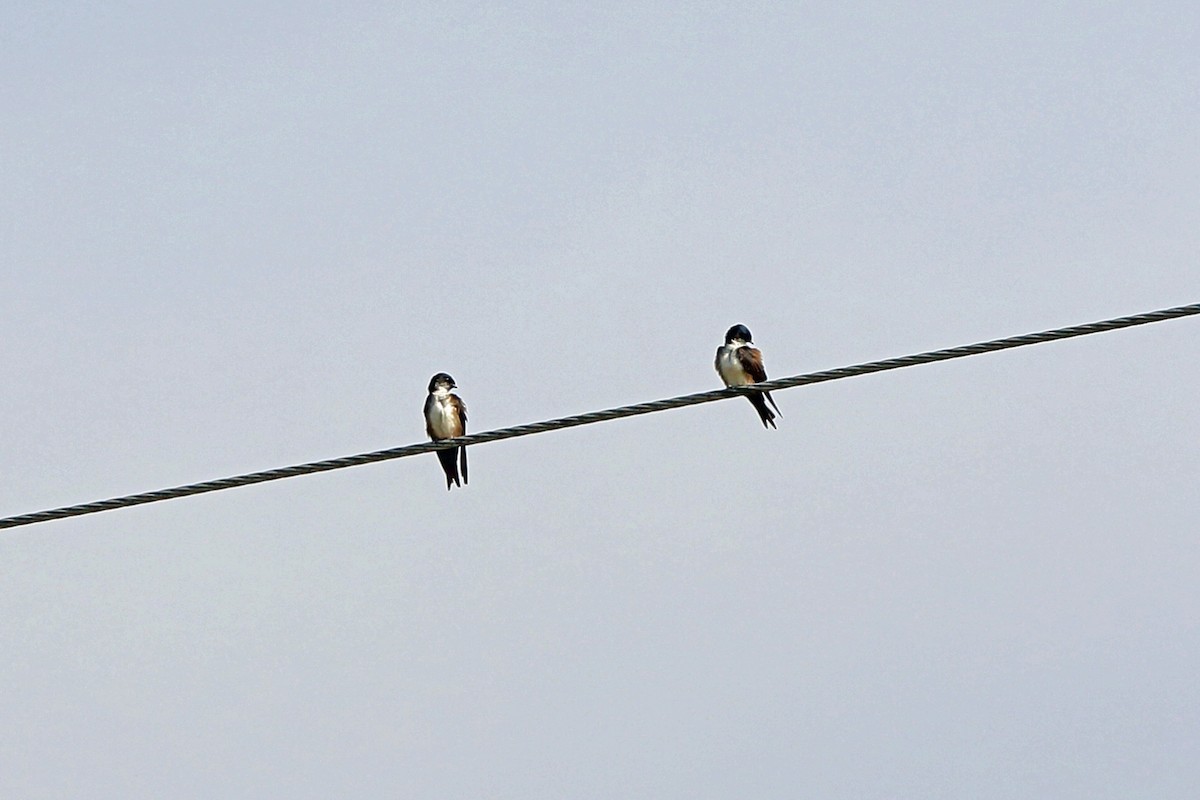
<point x="602" y="416"/>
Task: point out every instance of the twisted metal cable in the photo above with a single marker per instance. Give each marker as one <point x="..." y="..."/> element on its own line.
<point x="603" y="416"/>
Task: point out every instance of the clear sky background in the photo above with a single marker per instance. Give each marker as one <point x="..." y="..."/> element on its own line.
<point x="237" y="236"/>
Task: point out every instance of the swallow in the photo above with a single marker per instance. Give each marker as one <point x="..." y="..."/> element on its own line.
<point x="739" y="363"/>
<point x="445" y="418"/>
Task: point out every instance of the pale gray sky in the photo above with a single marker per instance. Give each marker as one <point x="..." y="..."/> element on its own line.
<point x="244" y="235"/>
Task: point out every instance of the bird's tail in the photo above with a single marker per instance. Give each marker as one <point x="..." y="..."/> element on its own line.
<point x="449" y="462"/>
<point x="771" y="400"/>
<point x="760" y="405"/>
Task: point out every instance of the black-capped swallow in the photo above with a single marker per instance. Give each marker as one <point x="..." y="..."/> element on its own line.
<point x="445" y="418"/>
<point x="739" y="363"/>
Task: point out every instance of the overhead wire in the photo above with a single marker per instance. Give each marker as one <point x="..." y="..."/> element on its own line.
<point x="602" y="416"/>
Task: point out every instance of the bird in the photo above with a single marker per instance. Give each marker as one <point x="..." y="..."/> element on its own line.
<point x="445" y="418"/>
<point x="739" y="363"/>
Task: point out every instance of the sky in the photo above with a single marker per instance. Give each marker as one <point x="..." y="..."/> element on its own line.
<point x="242" y="236"/>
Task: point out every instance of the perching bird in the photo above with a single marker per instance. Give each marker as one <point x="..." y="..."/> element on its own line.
<point x="445" y="418"/>
<point x="739" y="363"/>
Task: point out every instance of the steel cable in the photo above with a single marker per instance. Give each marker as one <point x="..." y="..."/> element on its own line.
<point x="602" y="416"/>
